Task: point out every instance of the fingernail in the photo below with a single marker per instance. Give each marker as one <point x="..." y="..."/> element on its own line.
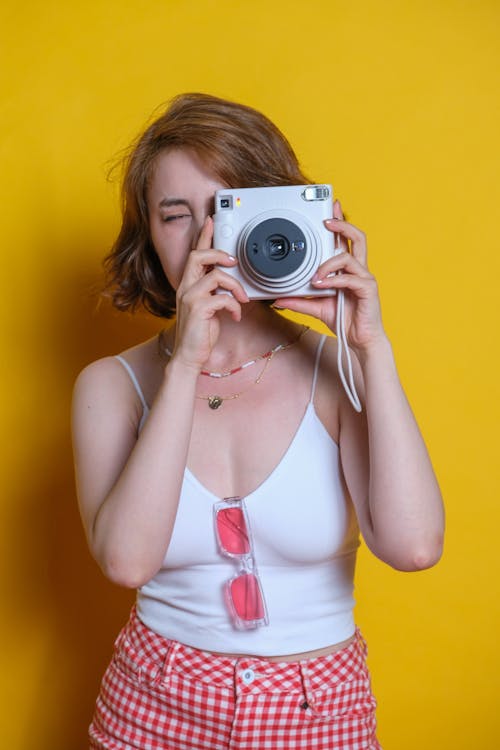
<point x="317" y="281"/>
<point x="232" y="258"/>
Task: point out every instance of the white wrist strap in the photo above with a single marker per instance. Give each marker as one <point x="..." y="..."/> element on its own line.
<point x="342" y="346"/>
<point x="349" y="386"/>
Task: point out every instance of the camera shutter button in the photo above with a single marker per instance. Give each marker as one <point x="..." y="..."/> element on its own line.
<point x="226" y="230"/>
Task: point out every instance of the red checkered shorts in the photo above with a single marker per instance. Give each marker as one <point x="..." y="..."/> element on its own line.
<point x="158" y="694"/>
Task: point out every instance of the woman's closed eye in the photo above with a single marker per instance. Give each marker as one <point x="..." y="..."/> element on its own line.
<point x="175" y="217"/>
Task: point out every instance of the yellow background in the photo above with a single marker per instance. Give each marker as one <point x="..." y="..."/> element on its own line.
<point x="397" y="105"/>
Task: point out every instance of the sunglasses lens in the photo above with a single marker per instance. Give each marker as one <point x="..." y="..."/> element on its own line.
<point x="247" y="598"/>
<point x="232" y="531"/>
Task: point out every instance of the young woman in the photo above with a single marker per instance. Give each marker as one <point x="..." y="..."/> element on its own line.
<point x="232" y="400"/>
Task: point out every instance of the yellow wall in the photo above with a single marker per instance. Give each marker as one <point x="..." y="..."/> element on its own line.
<point x="397" y="105"/>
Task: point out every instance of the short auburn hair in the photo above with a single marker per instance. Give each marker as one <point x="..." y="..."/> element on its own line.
<point x="238" y="144"/>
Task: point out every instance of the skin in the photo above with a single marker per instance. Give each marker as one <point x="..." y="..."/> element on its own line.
<point x="384" y="460"/>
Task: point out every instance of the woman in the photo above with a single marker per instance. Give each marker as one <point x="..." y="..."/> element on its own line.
<point x="232" y="400"/>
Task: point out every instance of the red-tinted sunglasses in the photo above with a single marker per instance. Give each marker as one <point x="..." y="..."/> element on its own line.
<point x="244" y="594"/>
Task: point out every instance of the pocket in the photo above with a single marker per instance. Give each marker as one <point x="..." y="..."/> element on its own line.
<point x="338" y="686"/>
<point x="141" y="661"/>
<point x="125" y="659"/>
<point x="349" y="698"/>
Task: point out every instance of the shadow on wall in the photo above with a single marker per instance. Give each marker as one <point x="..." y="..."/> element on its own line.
<point x="63" y="594"/>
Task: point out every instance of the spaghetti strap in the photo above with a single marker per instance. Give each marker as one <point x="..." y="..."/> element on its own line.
<point x="319" y="349"/>
<point x="134" y="380"/>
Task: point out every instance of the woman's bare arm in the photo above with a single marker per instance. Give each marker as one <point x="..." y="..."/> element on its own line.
<point x="384" y="458"/>
<point x="129" y="486"/>
<point x="388" y="470"/>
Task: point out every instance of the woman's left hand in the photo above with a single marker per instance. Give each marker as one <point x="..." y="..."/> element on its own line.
<point x="363" y="320"/>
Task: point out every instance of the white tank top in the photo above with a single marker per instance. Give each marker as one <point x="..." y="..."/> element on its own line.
<point x="305" y="536"/>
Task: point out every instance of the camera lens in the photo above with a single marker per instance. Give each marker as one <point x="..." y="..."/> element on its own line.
<point x="277" y="247"/>
<point x="274" y="249"/>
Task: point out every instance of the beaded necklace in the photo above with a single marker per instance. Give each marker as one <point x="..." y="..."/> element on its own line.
<point x="215" y="401"/>
<point x="226" y="373"/>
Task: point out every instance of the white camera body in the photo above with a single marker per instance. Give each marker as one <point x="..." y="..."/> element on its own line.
<point x="278" y="236"/>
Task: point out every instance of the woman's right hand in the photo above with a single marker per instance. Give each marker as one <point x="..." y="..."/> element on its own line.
<point x="198" y="305"/>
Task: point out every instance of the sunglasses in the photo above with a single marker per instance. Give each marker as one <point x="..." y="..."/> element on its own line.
<point x="244" y="595"/>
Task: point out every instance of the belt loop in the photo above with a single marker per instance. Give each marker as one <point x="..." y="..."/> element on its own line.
<point x="172" y="649"/>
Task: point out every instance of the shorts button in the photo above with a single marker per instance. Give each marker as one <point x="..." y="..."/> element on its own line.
<point x="248" y="676"/>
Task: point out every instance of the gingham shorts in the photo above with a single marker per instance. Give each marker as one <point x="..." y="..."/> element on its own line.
<point x="158" y="694"/>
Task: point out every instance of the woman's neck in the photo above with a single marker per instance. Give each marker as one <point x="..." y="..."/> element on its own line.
<point x="259" y="330"/>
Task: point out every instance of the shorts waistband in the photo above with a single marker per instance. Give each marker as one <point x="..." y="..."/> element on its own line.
<point x="156" y="658"/>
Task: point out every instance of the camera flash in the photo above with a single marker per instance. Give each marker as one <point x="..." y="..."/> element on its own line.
<point x="316" y="193"/>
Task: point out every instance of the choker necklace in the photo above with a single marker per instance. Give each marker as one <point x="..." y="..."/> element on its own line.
<point x="215" y="401"/>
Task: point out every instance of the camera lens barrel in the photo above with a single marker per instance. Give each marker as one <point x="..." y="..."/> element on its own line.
<point x="278" y="253"/>
<point x="275" y="248"/>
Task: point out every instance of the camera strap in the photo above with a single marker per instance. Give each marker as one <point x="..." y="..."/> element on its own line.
<point x="343" y="349"/>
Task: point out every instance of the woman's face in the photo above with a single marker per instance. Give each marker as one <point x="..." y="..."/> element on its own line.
<point x="180" y="197"/>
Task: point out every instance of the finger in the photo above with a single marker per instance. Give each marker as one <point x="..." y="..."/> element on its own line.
<point x="217" y="302"/>
<point x="304" y="305"/>
<point x="341" y="243"/>
<point x="344" y="262"/>
<point x="361" y="286"/>
<point x="352" y="233"/>
<point x="337" y="210"/>
<point x="210" y="257"/>
<point x="205" y="237"/>
<point x="199" y="262"/>
<point x="218" y="279"/>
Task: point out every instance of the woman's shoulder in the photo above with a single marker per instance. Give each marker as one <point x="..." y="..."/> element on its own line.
<point x="101" y="387"/>
<point x="136" y="358"/>
<point x="102" y="373"/>
<point x="117" y="380"/>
